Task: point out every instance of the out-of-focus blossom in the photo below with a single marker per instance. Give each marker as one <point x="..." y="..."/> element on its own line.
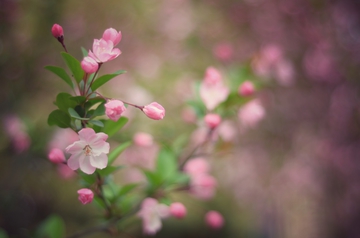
<point x="151" y="213"/>
<point x="203" y="186"/>
<point x="57" y="31"/>
<point x="89" y="65"/>
<point x="251" y="113"/>
<point x="85" y="195"/>
<point x="16" y="131"/>
<point x="62" y="138"/>
<point x="212" y="90"/>
<point x="154" y="111"/>
<point x="214" y="219"/>
<point x="227" y="131"/>
<point x="56" y="156"/>
<point x="114" y="109"/>
<point x="104" y="51"/>
<point x="90" y="152"/>
<point x="212" y="120"/>
<point x="111" y="34"/>
<point x="223" y="51"/>
<point x="188" y="115"/>
<point x="143" y="139"/>
<point x="178" y="210"/>
<point x="197" y="166"/>
<point x="246" y="89"/>
<point x="284" y="73"/>
<point x="65" y="172"/>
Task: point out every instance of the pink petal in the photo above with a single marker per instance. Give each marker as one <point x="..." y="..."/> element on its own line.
<point x="87" y="134"/>
<point x="99" y="161"/>
<point x="73" y="161"/>
<point x="75" y="147"/>
<point x="85" y="165"/>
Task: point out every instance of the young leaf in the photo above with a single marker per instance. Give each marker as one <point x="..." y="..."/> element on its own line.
<point x="78" y="99"/>
<point x="99" y="111"/>
<point x="52" y="227"/>
<point x="74" y="66"/>
<point x="104" y="79"/>
<point x="153" y="178"/>
<point x="59" y="118"/>
<point x="166" y="163"/>
<point x="84" y="51"/>
<point x="74" y="114"/>
<point x="97" y="123"/>
<point x="63" y="101"/>
<point x="108" y="170"/>
<point x="111" y="127"/>
<point x="117" y="151"/>
<point x="61" y="73"/>
<point x="127" y="188"/>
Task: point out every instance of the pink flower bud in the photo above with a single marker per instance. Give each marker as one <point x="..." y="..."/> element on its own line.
<point x="56" y="156"/>
<point x="112" y="35"/>
<point x="114" y="109"/>
<point x="214" y="219"/>
<point x="89" y="65"/>
<point x="246" y="89"/>
<point x="154" y="111"/>
<point x="212" y="120"/>
<point x="85" y="195"/>
<point x="57" y="31"/>
<point x="178" y="210"/>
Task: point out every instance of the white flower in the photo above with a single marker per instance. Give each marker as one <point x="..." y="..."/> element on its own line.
<point x="151" y="213"/>
<point x="89" y="152"/>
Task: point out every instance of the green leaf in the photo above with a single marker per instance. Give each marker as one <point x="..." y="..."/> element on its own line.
<point x="74" y="66"/>
<point x="74" y="114"/>
<point x="52" y="227"/>
<point x="104" y="79"/>
<point x="3" y="234"/>
<point x="78" y="99"/>
<point x="63" y="101"/>
<point x="99" y="111"/>
<point x="89" y="179"/>
<point x="127" y="188"/>
<point x="61" y="73"/>
<point x="117" y="151"/>
<point x="84" y="51"/>
<point x="153" y="178"/>
<point x="97" y="123"/>
<point x="108" y="170"/>
<point x="59" y="118"/>
<point x="166" y="163"/>
<point x="99" y="202"/>
<point x="111" y="127"/>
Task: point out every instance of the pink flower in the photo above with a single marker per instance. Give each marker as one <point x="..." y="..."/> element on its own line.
<point x="104" y="51"/>
<point x="112" y="35"/>
<point x="65" y="172"/>
<point x="212" y="120"/>
<point x="223" y="51"/>
<point x="246" y="89"/>
<point x="151" y="213"/>
<point x="203" y="186"/>
<point x="89" y="65"/>
<point x="56" y="156"/>
<point x="114" y="109"/>
<point x="154" y="111"/>
<point x="197" y="166"/>
<point x="143" y="139"/>
<point x="251" y="113"/>
<point x="212" y="90"/>
<point x="214" y="219"/>
<point x="178" y="210"/>
<point x="57" y="31"/>
<point x="89" y="152"/>
<point x="85" y="195"/>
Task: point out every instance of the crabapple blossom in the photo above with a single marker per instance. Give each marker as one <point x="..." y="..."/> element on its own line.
<point x="212" y="90"/>
<point x="89" y="65"/>
<point x="196" y="166"/>
<point x="154" y="111"/>
<point x="251" y="113"/>
<point x="111" y="34"/>
<point x="178" y="210"/>
<point x="56" y="156"/>
<point x="203" y="186"/>
<point x="143" y="139"/>
<point x="246" y="89"/>
<point x="212" y="120"/>
<point x="214" y="219"/>
<point x="223" y="51"/>
<point x="104" y="51"/>
<point x="114" y="109"/>
<point x="65" y="172"/>
<point x="151" y="213"/>
<point x="57" y="31"/>
<point x="90" y="152"/>
<point x="85" y="195"/>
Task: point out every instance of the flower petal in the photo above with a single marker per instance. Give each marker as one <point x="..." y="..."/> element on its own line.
<point x="75" y="147"/>
<point x="85" y="165"/>
<point x="99" y="161"/>
<point x="73" y="161"/>
<point x="87" y="134"/>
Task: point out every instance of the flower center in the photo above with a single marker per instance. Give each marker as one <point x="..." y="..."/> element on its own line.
<point x="87" y="150"/>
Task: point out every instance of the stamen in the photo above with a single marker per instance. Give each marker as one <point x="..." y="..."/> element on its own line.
<point x="87" y="150"/>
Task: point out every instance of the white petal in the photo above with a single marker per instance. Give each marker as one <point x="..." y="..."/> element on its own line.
<point x="100" y="147"/>
<point x="99" y="161"/>
<point x="87" y="134"/>
<point x="75" y="147"/>
<point x="85" y="165"/>
<point x="73" y="161"/>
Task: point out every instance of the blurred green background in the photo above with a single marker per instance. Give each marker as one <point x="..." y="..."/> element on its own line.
<point x="295" y="174"/>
